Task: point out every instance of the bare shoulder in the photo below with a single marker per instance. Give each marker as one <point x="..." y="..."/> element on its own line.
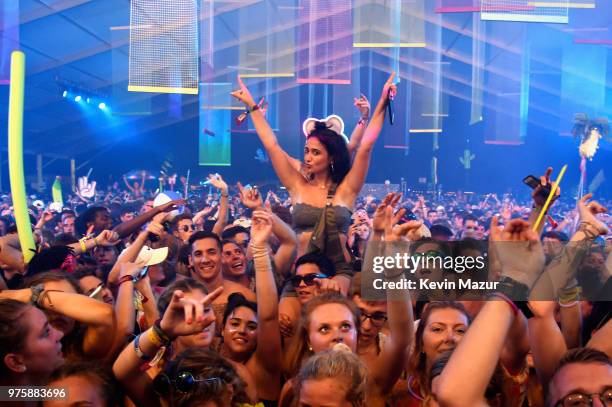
<point x="229" y="287"/>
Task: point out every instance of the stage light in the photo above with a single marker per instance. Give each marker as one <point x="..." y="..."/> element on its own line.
<point x="65" y="93"/>
<point x="78" y="98"/>
<point x="102" y="106"/>
<point x="88" y="100"/>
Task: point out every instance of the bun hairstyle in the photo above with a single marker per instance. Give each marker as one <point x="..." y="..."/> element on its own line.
<point x="236" y="300"/>
<point x="320" y="125"/>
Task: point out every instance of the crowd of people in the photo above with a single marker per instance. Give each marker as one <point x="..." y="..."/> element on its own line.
<point x="236" y="296"/>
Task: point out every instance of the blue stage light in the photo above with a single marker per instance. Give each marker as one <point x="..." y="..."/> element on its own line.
<point x="102" y="106"/>
<point x="65" y="93"/>
<point x="78" y="98"/>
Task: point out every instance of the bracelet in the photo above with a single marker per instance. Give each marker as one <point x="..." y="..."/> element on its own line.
<point x="160" y="332"/>
<point x="568" y="304"/>
<point x="512" y="305"/>
<point x="363" y="121"/>
<point x="125" y="279"/>
<point x="82" y="243"/>
<point x="154" y="337"/>
<point x="139" y="353"/>
<point x="37" y="290"/>
<point x="570" y="295"/>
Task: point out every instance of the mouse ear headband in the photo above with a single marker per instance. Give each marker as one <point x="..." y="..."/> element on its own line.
<point x="332" y="122"/>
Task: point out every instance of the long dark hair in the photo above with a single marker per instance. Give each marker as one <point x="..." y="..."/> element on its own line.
<point x="336" y="148"/>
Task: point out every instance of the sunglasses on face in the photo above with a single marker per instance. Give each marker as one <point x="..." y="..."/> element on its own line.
<point x="586" y="400"/>
<point x="187" y="228"/>
<point x="308" y="279"/>
<point x="378" y="318"/>
<point x="184" y="382"/>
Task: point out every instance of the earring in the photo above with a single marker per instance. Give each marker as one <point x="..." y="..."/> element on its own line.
<point x="332" y="167"/>
<point x="310" y="348"/>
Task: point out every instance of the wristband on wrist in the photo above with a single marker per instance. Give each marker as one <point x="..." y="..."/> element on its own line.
<point x="160" y="332"/>
<point x="508" y="301"/>
<point x="82" y="243"/>
<point x="139" y="353"/>
<point x="36" y="294"/>
<point x="242" y="117"/>
<point x="516" y="292"/>
<point x="154" y="337"/>
<point x="125" y="279"/>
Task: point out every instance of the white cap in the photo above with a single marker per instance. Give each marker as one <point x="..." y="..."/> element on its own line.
<point x="149" y="257"/>
<point x="165" y="197"/>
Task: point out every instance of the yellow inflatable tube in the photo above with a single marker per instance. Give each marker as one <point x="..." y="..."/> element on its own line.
<point x="15" y="154"/>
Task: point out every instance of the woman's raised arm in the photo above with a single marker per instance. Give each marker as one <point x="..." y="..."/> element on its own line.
<point x="288" y="175"/>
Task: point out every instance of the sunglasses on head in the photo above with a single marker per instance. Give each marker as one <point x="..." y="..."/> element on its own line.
<point x="184" y="382"/>
<point x="187" y="228"/>
<point x="308" y="279"/>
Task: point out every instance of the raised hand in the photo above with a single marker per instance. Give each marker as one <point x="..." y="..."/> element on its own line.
<point x="588" y="212"/>
<point x="261" y="228"/>
<point x="519" y="250"/>
<point x="45" y="217"/>
<point x="327" y="285"/>
<point x="408" y="231"/>
<point x="216" y="181"/>
<point x="107" y="238"/>
<point x="363" y="105"/>
<point x="389" y="89"/>
<point x="250" y="197"/>
<point x="187" y="316"/>
<point x="243" y="94"/>
<point x="155" y="226"/>
<point x="170" y="206"/>
<point x="539" y="194"/>
<point x="378" y="220"/>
